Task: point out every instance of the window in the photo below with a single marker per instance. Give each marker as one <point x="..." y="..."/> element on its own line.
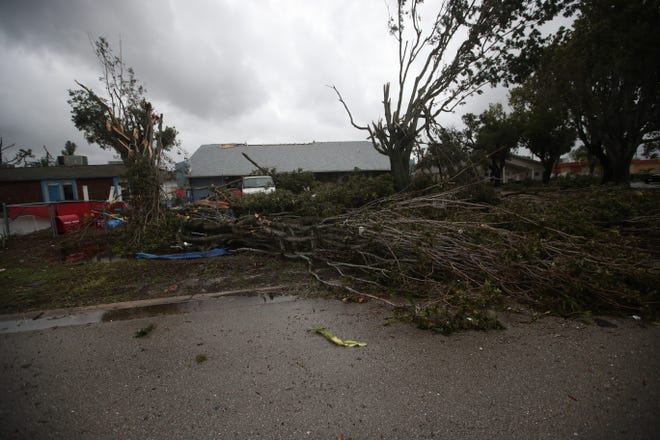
<point x="67" y="191"/>
<point x="257" y="182"/>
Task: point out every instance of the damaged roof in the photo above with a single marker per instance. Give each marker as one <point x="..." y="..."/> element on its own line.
<point x="318" y="157"/>
<point x="61" y="172"/>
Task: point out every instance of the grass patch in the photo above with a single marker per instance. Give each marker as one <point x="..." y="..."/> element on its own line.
<point x="60" y="285"/>
<point x="35" y="278"/>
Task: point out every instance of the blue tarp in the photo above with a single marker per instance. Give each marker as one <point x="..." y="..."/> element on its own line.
<point x="184" y="256"/>
<point x="113" y="223"/>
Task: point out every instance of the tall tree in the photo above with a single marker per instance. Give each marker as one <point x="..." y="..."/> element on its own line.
<point x="609" y="72"/>
<point x="124" y="121"/>
<point x="464" y="50"/>
<point x="494" y="134"/>
<point x="543" y="123"/>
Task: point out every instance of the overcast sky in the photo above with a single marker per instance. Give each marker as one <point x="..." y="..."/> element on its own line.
<point x="221" y="71"/>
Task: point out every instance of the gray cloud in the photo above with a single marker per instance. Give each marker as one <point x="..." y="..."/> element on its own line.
<point x="220" y="71"/>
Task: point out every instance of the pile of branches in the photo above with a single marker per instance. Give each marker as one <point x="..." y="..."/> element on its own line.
<point x="447" y="253"/>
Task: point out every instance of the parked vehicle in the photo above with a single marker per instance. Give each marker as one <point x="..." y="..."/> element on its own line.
<point x="653" y="178"/>
<point x="257" y="184"/>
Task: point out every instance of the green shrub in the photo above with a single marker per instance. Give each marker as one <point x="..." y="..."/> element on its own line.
<point x="321" y="200"/>
<point x="281" y="200"/>
<point x="356" y="191"/>
<point x="295" y="181"/>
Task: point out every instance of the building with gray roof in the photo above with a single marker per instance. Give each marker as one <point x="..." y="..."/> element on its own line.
<point x="217" y="164"/>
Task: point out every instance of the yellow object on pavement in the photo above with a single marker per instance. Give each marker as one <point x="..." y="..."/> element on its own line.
<point x="334" y="339"/>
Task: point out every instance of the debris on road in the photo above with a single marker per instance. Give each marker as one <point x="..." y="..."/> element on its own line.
<point x="334" y="339"/>
<point x="144" y="331"/>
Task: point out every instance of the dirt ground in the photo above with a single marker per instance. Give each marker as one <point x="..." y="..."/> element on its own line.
<point x="39" y="271"/>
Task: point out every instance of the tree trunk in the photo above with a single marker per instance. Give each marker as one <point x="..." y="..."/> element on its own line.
<point x="400" y="168"/>
<point x="608" y="173"/>
<point x="618" y="171"/>
<point x="548" y="162"/>
<point x="616" y="168"/>
<point x="596" y="150"/>
<point x="593" y="161"/>
<point x="547" y="172"/>
<point x="496" y="169"/>
<point x="614" y="159"/>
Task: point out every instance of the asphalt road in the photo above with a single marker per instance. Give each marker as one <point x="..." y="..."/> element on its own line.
<point x="267" y="376"/>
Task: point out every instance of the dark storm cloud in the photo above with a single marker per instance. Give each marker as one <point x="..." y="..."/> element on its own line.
<point x="174" y="63"/>
<point x="220" y="70"/>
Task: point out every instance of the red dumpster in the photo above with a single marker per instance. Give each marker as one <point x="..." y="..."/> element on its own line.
<point x="67" y="223"/>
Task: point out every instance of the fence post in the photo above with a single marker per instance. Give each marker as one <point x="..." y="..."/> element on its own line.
<point x="5" y="215"/>
<point x="53" y="224"/>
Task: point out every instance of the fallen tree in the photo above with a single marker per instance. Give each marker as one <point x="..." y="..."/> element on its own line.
<point x="454" y="259"/>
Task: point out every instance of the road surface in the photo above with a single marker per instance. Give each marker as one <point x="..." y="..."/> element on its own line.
<point x="265" y="375"/>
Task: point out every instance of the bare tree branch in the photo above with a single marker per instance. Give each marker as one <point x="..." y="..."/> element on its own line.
<point x="350" y="115"/>
<point x="259" y="167"/>
<point x="439" y="69"/>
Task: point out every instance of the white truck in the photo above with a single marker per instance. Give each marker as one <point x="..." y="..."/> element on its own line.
<point x="257" y="184"/>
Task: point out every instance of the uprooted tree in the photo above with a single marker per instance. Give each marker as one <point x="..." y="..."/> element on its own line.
<point x="124" y="121"/>
<point x="467" y="47"/>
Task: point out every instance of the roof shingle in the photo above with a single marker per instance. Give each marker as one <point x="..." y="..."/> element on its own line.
<point x="61" y="172"/>
<point x="227" y="159"/>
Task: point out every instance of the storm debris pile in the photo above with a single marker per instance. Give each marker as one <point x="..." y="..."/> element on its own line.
<point x="448" y="253"/>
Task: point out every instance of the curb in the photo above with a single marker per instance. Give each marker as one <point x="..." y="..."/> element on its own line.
<point x="38" y="314"/>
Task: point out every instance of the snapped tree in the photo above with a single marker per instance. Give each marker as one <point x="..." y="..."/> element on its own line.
<point x="465" y="48"/>
<point x="124" y="121"/>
